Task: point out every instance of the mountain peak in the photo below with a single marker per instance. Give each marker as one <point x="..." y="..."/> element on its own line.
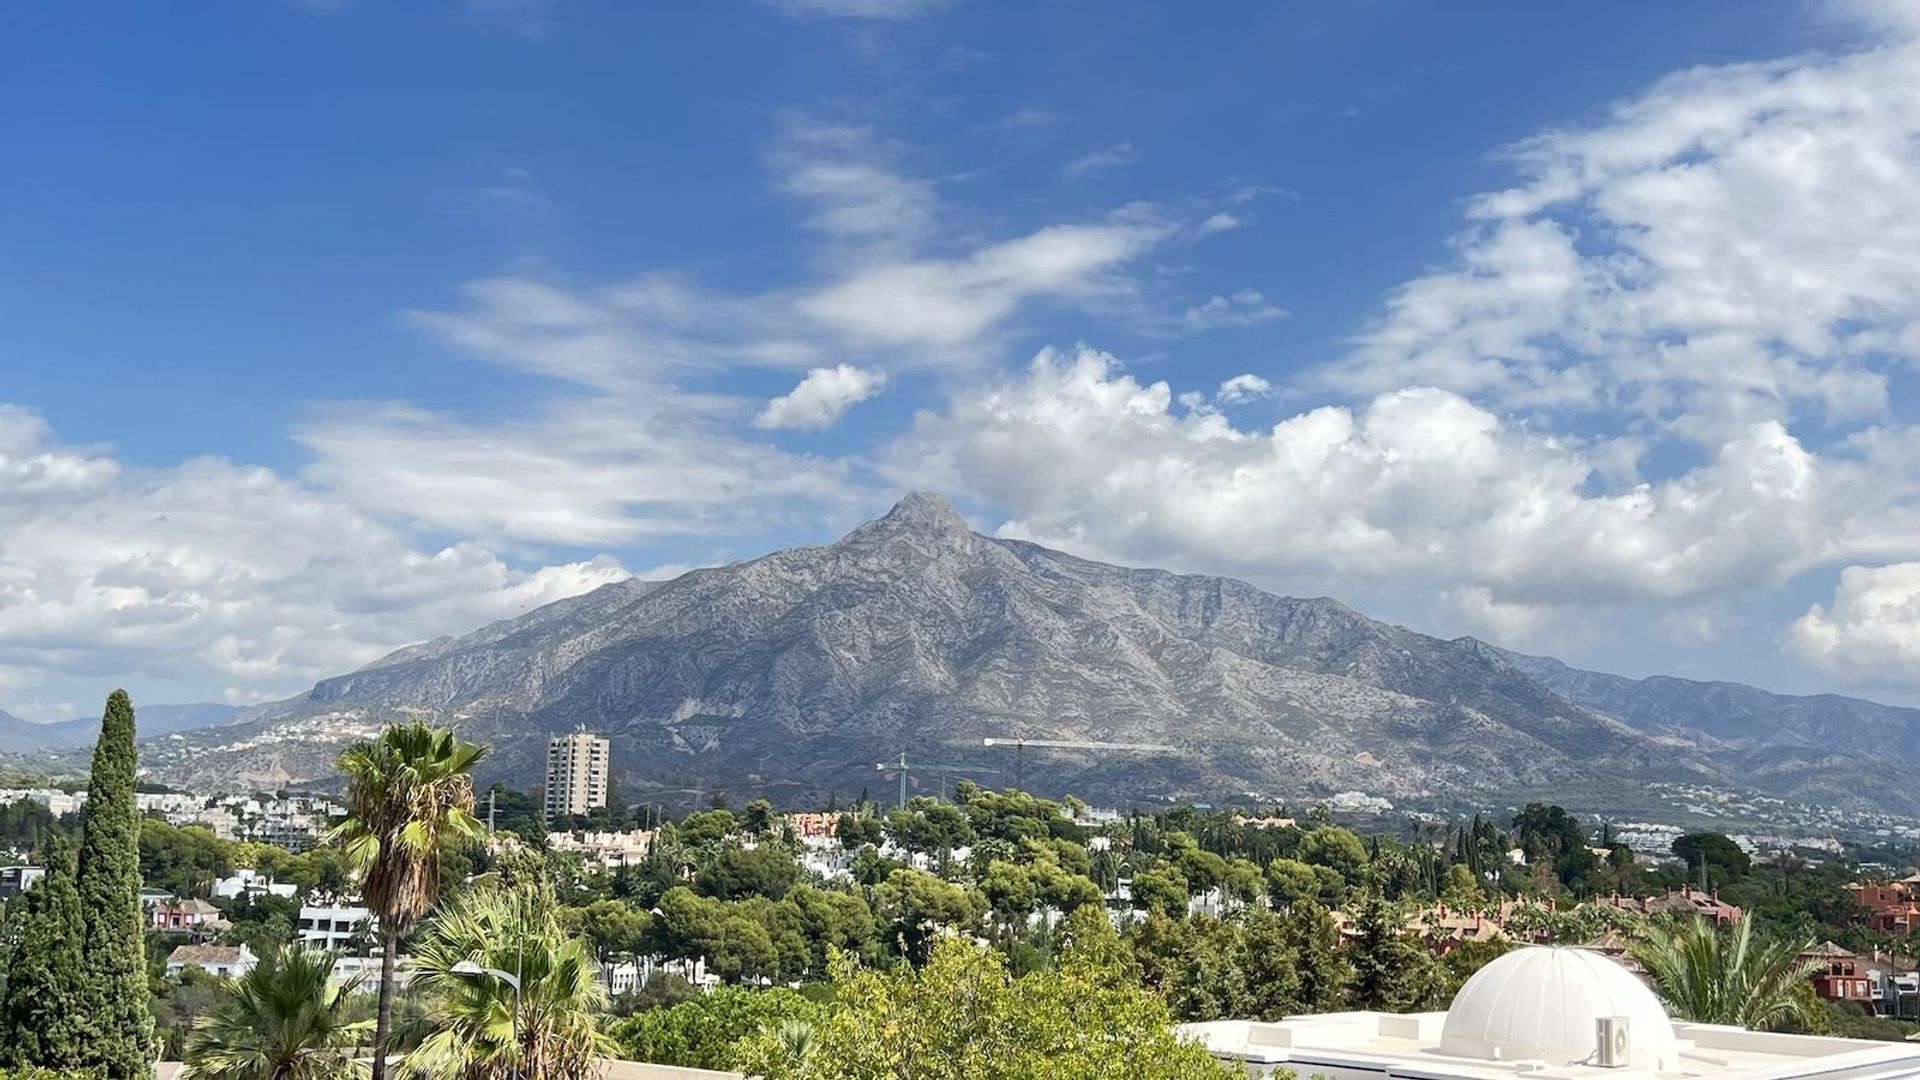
<point x="925" y="507"/>
<point x="922" y="514"/>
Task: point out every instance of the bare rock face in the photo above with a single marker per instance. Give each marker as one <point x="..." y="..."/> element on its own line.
<point x="795" y="673"/>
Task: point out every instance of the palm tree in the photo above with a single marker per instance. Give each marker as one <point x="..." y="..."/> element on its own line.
<point x="511" y="994"/>
<point x="284" y="1020"/>
<point x="797" y="1039"/>
<point x="1714" y="976"/>
<point x="409" y="798"/>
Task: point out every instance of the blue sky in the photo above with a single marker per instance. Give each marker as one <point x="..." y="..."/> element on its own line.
<point x="327" y="327"/>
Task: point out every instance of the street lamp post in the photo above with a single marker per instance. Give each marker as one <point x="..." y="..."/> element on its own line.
<point x="469" y="968"/>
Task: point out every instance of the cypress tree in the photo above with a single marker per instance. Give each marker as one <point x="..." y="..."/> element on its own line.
<point x="120" y="1041"/>
<point x="42" y="1014"/>
<point x="1390" y="972"/>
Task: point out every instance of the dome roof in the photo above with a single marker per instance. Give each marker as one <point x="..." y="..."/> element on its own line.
<point x="1541" y="1003"/>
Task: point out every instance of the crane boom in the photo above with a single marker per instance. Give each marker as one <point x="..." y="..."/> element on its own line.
<point x="1073" y="745"/>
<point x="1020" y="751"/>
<point x="902" y="766"/>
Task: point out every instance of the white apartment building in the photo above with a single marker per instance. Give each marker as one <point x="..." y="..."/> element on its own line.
<point x="247" y="882"/>
<point x="1545" y="1014"/>
<point x="577" y="767"/>
<point x="606" y="850"/>
<point x="334" y="927"/>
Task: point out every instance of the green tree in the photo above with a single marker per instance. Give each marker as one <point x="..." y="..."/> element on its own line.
<point x="966" y="1015"/>
<point x="1724" y="859"/>
<point x="706" y="1032"/>
<point x="757" y="818"/>
<point x="1391" y="971"/>
<point x="1198" y="965"/>
<point x="1326" y="973"/>
<point x="182" y="861"/>
<point x="1161" y="889"/>
<point x="1290" y="882"/>
<point x="1551" y="837"/>
<point x="614" y="930"/>
<point x="736" y="873"/>
<point x="917" y="905"/>
<point x="831" y="920"/>
<point x="284" y="1020"/>
<point x="120" y="1042"/>
<point x="1711" y="975"/>
<point x="855" y="831"/>
<point x="409" y="799"/>
<point x="1337" y="849"/>
<point x="733" y="943"/>
<point x="480" y="1027"/>
<point x="43" y="1022"/>
<point x="1466" y="958"/>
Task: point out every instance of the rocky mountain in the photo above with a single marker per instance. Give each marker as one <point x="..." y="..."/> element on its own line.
<point x="25" y="736"/>
<point x="1771" y="737"/>
<point x="795" y="673"/>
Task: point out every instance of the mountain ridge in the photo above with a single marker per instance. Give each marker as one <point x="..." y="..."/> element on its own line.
<point x="18" y="735"/>
<point x="793" y="673"/>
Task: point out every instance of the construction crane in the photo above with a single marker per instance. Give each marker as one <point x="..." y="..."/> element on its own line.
<point x="1020" y="751"/>
<point x="901" y="766"/>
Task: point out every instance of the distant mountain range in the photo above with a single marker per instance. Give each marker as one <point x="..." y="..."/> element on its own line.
<point x="25" y="736"/>
<point x="794" y="674"/>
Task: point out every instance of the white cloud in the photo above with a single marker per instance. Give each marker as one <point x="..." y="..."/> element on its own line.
<point x="1896" y="17"/>
<point x="607" y="470"/>
<point x="233" y="575"/>
<point x="859" y="198"/>
<point x="1417" y="488"/>
<point x="822" y="398"/>
<point x="1733" y="245"/>
<point x="622" y="449"/>
<point x="1218" y="223"/>
<point x="1870" y="632"/>
<point x="947" y="305"/>
<point x="1101" y="161"/>
<point x="1243" y="388"/>
<point x="886" y="10"/>
<point x="1244" y="308"/>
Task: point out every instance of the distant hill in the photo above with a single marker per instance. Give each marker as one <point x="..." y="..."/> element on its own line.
<point x="1775" y="738"/>
<point x="795" y="673"/>
<point x="25" y="736"/>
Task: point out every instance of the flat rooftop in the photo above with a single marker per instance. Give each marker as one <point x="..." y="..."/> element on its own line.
<point x="1370" y="1045"/>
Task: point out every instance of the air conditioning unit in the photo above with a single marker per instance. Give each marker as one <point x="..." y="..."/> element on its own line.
<point x="1614" y="1034"/>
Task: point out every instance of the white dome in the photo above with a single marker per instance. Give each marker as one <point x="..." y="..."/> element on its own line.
<point x="1541" y="1003"/>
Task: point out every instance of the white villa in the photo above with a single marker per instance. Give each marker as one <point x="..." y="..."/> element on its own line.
<point x="1544" y="1014"/>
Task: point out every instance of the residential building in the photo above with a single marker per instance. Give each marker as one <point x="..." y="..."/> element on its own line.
<point x="334" y="927"/>
<point x="1541" y="1012"/>
<point x="1841" y="975"/>
<point x="194" y="916"/>
<point x="1445" y="930"/>
<point x="1687" y="901"/>
<point x="607" y="850"/>
<point x="366" y="969"/>
<point x="15" y="880"/>
<point x="245" y="882"/>
<point x="814" y="825"/>
<point x="577" y="766"/>
<point x="1891" y="907"/>
<point x="59" y="803"/>
<point x="225" y="961"/>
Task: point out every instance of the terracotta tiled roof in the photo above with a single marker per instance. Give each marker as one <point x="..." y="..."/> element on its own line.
<point x="206" y="955"/>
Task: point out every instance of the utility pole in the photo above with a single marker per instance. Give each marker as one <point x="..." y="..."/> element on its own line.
<point x="491" y="792"/>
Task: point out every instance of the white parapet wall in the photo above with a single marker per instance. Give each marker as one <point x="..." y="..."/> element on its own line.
<point x="612" y="1069"/>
